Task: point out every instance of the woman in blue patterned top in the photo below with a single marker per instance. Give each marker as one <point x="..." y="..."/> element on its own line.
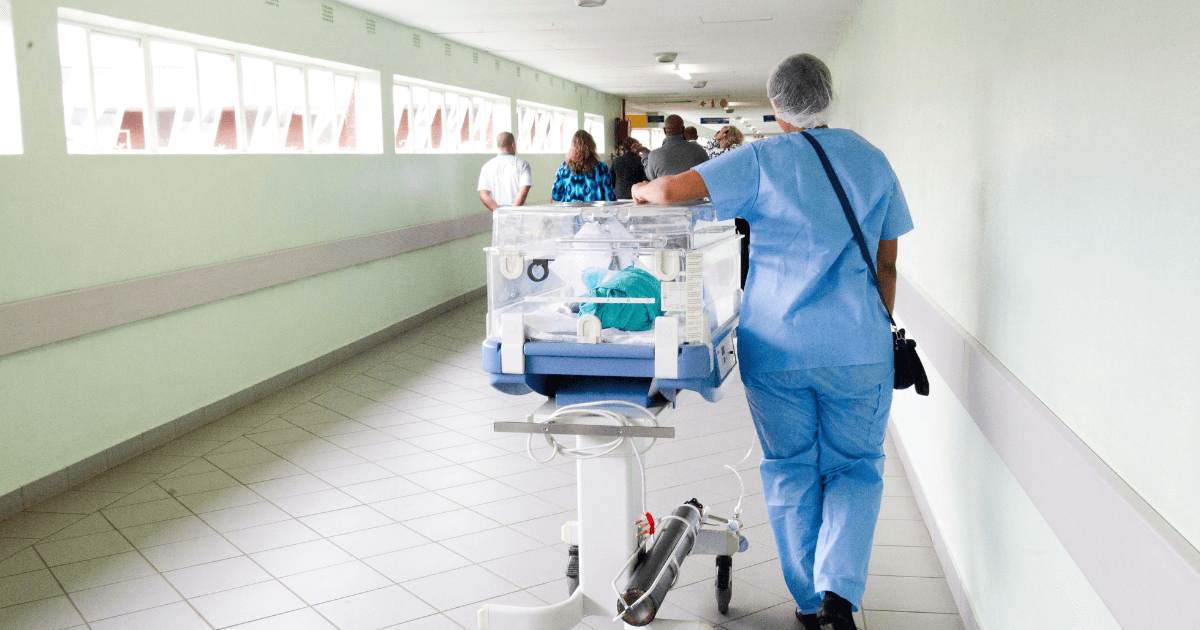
<point x="583" y="177"/>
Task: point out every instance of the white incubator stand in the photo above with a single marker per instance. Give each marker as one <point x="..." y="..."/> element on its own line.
<point x="610" y="310"/>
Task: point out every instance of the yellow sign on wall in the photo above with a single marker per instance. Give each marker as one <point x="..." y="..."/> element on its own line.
<point x="636" y="120"/>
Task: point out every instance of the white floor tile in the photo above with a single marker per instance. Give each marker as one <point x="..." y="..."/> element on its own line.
<point x="375" y="609"/>
<point x="294" y="559"/>
<point x="302" y="619"/>
<point x="289" y="486"/>
<point x="379" y="540"/>
<point x="343" y="580"/>
<point x="480" y="492"/>
<point x="83" y="548"/>
<point x="164" y="532"/>
<point x="354" y="474"/>
<point x="56" y="613"/>
<point x="530" y="568"/>
<point x="188" y="553"/>
<point x="316" y="502"/>
<point x="21" y="562"/>
<point x="244" y="516"/>
<point x="517" y="509"/>
<point x="124" y="597"/>
<point x="905" y="561"/>
<point x="247" y="603"/>
<point x="177" y="616"/>
<point x="459" y="587"/>
<point x="102" y="571"/>
<point x="214" y="577"/>
<point x="416" y="506"/>
<point x="345" y="521"/>
<point x="417" y="562"/>
<point x="28" y="587"/>
<point x="490" y="544"/>
<point x="272" y="536"/>
<point x="889" y="620"/>
<point x="451" y="524"/>
<point x="908" y="594"/>
<point x="382" y="489"/>
<point x="222" y="499"/>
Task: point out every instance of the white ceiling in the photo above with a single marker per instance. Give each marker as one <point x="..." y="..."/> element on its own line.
<point x="732" y="44"/>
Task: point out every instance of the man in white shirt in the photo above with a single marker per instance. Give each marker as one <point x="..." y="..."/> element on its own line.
<point x="506" y="178"/>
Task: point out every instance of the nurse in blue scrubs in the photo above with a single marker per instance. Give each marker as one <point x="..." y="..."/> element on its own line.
<point x="814" y="342"/>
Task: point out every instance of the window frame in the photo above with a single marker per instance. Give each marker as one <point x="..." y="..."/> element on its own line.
<point x="501" y="117"/>
<point x="11" y="141"/>
<point x="598" y="119"/>
<point x="570" y="119"/>
<point x="199" y="44"/>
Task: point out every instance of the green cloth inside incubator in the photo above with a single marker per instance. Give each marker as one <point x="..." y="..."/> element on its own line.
<point x="629" y="282"/>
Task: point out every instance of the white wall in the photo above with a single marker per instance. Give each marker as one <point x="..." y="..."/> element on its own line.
<point x="1048" y="153"/>
<point x="10" y="110"/>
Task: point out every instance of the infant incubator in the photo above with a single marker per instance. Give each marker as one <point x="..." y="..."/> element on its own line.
<point x="610" y="310"/>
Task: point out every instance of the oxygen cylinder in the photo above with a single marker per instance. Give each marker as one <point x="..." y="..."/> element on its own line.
<point x="673" y="541"/>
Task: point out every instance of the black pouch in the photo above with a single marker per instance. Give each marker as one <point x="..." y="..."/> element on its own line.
<point x="909" y="370"/>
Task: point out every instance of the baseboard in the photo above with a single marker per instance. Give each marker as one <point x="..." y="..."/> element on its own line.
<point x="962" y="600"/>
<point x="75" y="474"/>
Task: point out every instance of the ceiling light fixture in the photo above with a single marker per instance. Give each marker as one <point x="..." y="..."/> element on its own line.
<point x="682" y="73"/>
<point x="699" y="84"/>
<point x="667" y="57"/>
<point x="590" y="3"/>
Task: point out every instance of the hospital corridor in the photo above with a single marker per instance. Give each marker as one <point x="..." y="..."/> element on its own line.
<point x="591" y="314"/>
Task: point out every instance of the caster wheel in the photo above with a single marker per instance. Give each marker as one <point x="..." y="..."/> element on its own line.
<point x="724" y="583"/>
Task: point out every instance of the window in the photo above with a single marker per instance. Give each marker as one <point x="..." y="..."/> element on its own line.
<point x="10" y="106"/>
<point x="438" y="118"/>
<point x="594" y="124"/>
<point x="545" y="129"/>
<point x="136" y="88"/>
<point x="651" y="138"/>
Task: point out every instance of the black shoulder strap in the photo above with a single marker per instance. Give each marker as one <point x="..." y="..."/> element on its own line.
<point x="850" y="218"/>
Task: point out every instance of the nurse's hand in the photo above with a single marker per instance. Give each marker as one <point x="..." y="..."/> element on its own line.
<point x="671" y="189"/>
<point x="639" y="196"/>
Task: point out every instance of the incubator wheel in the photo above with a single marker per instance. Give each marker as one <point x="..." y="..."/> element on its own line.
<point x="724" y="583"/>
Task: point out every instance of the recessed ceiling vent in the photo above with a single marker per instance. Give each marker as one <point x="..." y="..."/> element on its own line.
<point x="370" y="26"/>
<point x="590" y="3"/>
<point x="273" y="3"/>
<point x="416" y="40"/>
<point x="327" y="13"/>
<point x="447" y="49"/>
<point x="699" y="84"/>
<point x="497" y="65"/>
<point x="667" y="57"/>
<point x="474" y="57"/>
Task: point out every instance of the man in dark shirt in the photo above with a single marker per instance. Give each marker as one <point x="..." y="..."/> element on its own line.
<point x="676" y="155"/>
<point x="627" y="168"/>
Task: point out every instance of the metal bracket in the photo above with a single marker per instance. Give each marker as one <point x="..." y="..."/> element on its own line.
<point x="596" y="430"/>
<point x="512" y="343"/>
<point x="716" y="542"/>
<point x="666" y="347"/>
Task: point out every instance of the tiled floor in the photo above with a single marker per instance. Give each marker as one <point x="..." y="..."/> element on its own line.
<point x="376" y="495"/>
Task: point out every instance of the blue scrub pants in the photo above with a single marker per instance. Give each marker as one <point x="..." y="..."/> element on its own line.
<point x="822" y="433"/>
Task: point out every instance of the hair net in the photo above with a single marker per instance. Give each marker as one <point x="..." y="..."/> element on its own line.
<point x="801" y="89"/>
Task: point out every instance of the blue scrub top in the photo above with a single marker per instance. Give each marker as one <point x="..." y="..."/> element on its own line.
<point x="809" y="301"/>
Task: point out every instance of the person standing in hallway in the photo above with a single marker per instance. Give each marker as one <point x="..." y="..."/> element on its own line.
<point x="814" y="342"/>
<point x="676" y="155"/>
<point x="728" y="138"/>
<point x="506" y="179"/>
<point x="691" y="134"/>
<point x="583" y="177"/>
<point x="627" y="168"/>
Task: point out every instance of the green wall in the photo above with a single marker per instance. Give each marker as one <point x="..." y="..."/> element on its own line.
<point x="76" y="221"/>
<point x="1048" y="153"/>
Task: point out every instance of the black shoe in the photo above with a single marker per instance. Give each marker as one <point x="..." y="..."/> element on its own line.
<point x="835" y="614"/>
<point x="808" y="621"/>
